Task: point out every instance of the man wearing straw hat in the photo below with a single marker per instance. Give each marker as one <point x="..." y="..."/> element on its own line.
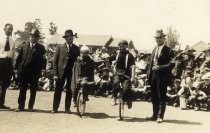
<point x="159" y="76"/>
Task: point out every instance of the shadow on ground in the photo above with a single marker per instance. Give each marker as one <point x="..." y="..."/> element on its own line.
<point x="98" y="115"/>
<point x="182" y="122"/>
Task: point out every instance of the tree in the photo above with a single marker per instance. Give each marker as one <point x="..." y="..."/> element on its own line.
<point x="172" y="38"/>
<point x="53" y="28"/>
<point x="24" y="35"/>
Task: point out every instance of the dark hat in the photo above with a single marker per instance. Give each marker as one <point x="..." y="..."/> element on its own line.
<point x="120" y="72"/>
<point x="144" y="56"/>
<point x="178" y="81"/>
<point x="206" y="50"/>
<point x="68" y="33"/>
<point x="123" y="42"/>
<point x="35" y="32"/>
<point x="191" y="49"/>
<point x="159" y="33"/>
<point x="106" y="68"/>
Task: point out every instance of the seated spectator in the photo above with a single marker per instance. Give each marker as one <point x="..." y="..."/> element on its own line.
<point x="172" y="93"/>
<point x="186" y="93"/>
<point x="104" y="54"/>
<point x="103" y="84"/>
<point x="44" y="84"/>
<point x="200" y="98"/>
<point x="141" y="89"/>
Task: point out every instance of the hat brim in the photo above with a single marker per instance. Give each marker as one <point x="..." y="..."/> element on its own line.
<point x="159" y="36"/>
<point x="34" y="35"/>
<point x="68" y="36"/>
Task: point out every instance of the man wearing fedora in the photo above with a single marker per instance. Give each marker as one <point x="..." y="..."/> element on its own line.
<point x="64" y="59"/>
<point x="159" y="76"/>
<point x="30" y="63"/>
<point x="7" y="51"/>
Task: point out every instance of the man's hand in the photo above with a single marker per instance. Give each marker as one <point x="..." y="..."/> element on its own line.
<point x="55" y="78"/>
<point x="156" y="67"/>
<point x="132" y="80"/>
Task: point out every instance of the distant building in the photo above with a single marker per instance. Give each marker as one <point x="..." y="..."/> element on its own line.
<point x="94" y="42"/>
<point x="200" y="46"/>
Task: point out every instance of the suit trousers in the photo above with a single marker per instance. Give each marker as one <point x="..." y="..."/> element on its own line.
<point x="158" y="96"/>
<point x="26" y="80"/>
<point x="5" y="77"/>
<point x="59" y="88"/>
<point x="125" y="85"/>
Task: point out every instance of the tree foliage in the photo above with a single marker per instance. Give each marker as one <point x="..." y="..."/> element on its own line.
<point x="172" y="38"/>
<point x="53" y="28"/>
<point x="24" y="35"/>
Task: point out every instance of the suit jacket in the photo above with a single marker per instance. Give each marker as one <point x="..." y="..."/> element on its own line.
<point x="164" y="73"/>
<point x="83" y="68"/>
<point x="32" y="59"/>
<point x="62" y="55"/>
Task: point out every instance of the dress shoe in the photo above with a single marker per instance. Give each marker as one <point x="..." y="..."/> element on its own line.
<point x="31" y="110"/>
<point x="67" y="111"/>
<point x="152" y="118"/>
<point x="129" y="103"/>
<point x="4" y="107"/>
<point x="86" y="98"/>
<point x="19" y="110"/>
<point x="159" y="120"/>
<point x="53" y="111"/>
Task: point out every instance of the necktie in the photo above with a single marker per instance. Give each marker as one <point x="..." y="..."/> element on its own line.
<point x="69" y="47"/>
<point x="156" y="57"/>
<point x="7" y="47"/>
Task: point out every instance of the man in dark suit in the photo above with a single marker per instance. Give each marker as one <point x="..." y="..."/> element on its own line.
<point x="65" y="56"/>
<point x="30" y="63"/>
<point x="159" y="76"/>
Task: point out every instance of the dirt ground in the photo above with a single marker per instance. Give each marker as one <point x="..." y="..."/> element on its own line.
<point x="101" y="117"/>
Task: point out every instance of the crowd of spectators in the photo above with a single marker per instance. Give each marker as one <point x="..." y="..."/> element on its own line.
<point x="190" y="88"/>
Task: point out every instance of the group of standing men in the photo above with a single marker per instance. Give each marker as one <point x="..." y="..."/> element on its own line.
<point x="31" y="62"/>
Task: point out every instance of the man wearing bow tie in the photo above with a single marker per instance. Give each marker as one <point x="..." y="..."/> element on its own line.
<point x="159" y="76"/>
<point x="64" y="59"/>
<point x="7" y="52"/>
<point x="30" y="63"/>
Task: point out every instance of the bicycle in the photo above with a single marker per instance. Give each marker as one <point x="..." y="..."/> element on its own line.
<point x="81" y="101"/>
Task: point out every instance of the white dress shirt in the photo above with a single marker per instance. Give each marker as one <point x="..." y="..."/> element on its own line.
<point x="11" y="52"/>
<point x="157" y="52"/>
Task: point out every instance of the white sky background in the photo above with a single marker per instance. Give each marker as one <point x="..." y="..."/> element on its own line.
<point x="135" y="19"/>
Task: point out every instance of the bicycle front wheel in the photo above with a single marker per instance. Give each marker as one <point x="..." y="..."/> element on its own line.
<point x="81" y="104"/>
<point x="121" y="109"/>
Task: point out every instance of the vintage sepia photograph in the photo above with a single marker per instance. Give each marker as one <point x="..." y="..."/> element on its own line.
<point x="104" y="66"/>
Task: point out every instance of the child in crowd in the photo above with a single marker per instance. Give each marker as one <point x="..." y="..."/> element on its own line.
<point x="172" y="93"/>
<point x="186" y="93"/>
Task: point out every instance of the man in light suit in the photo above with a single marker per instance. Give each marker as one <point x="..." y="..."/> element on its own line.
<point x="7" y="52"/>
<point x="64" y="59"/>
<point x="30" y="63"/>
<point x="159" y="76"/>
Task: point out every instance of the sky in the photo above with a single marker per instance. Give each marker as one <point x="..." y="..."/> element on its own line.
<point x="134" y="19"/>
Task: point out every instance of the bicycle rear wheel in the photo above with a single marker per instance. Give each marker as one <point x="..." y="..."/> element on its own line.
<point x="81" y="104"/>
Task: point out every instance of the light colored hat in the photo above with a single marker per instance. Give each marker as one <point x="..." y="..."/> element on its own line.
<point x="103" y="48"/>
<point x="159" y="33"/>
<point x="84" y="48"/>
